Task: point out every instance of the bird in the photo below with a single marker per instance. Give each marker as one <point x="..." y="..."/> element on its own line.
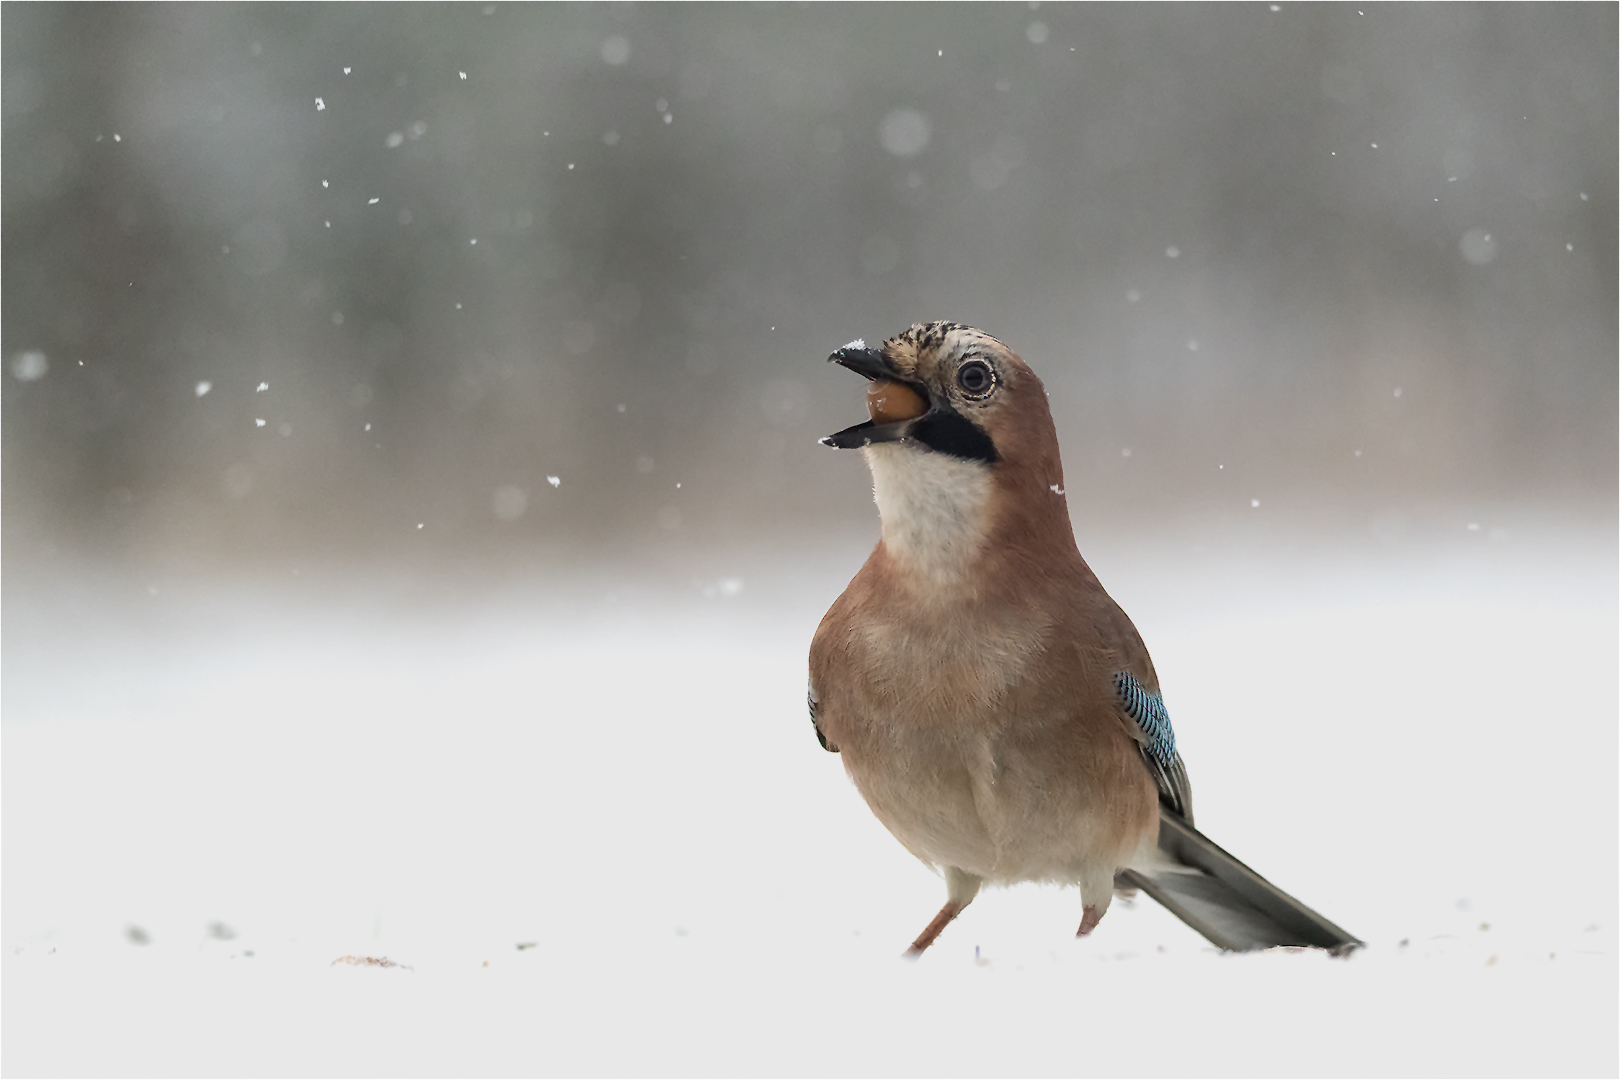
<point x="993" y="705"/>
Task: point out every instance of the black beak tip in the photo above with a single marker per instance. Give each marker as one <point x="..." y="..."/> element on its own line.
<point x="865" y="362"/>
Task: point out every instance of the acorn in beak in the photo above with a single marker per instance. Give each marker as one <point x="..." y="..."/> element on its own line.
<point x="894" y="404"/>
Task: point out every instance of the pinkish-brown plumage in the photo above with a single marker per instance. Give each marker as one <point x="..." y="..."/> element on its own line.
<point x="966" y="673"/>
<point x="993" y="705"/>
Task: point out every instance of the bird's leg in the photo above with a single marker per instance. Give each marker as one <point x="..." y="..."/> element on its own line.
<point x="931" y="931"/>
<point x="1096" y="891"/>
<point x="960" y="889"/>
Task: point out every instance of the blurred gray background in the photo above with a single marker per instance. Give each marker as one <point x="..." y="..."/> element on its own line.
<point x="334" y="282"/>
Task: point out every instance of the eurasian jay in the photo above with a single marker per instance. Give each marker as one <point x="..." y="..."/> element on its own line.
<point x="993" y="705"/>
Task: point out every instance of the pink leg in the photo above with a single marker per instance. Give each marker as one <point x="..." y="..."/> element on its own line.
<point x="926" y="938"/>
<point x="1089" y="918"/>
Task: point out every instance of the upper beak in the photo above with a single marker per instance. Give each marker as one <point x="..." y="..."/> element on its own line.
<point x="863" y="361"/>
<point x="871" y="364"/>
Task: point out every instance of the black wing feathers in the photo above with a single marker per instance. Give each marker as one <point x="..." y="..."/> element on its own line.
<point x="810" y="699"/>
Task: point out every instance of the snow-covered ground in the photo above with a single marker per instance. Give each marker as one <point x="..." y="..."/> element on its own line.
<point x="590" y="815"/>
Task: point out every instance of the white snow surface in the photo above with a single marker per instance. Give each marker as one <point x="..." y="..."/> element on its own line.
<point x="1418" y="741"/>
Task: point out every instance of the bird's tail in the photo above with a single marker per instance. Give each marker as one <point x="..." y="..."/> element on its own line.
<point x="1231" y="905"/>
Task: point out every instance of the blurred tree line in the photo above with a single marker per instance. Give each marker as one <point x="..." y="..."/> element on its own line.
<point x="308" y="277"/>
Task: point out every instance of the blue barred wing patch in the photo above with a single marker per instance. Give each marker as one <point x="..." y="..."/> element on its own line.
<point x="1149" y="713"/>
<point x="1158" y="744"/>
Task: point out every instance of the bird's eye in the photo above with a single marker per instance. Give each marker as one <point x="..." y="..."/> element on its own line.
<point x="975" y="378"/>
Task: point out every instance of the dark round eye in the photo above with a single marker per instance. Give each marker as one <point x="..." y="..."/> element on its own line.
<point x="975" y="378"/>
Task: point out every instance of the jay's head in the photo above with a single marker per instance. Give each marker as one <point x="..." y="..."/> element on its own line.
<point x="963" y="452"/>
<point x="942" y="388"/>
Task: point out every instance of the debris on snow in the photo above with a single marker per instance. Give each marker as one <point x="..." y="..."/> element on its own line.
<point x="370" y="962"/>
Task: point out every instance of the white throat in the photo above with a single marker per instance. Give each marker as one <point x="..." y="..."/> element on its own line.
<point x="933" y="508"/>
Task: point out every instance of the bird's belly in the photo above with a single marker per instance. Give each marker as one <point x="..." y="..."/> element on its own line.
<point x="1004" y="810"/>
<point x="925" y="798"/>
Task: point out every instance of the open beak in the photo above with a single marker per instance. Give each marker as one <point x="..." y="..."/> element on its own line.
<point x="871" y="364"/>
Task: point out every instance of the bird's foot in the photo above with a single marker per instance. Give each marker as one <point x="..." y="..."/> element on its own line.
<point x="1089" y="918"/>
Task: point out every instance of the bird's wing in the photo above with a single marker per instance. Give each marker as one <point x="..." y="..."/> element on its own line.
<point x="1157" y="742"/>
<point x="815" y="706"/>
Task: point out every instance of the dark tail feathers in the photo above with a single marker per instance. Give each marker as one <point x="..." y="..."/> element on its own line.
<point x="1231" y="905"/>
